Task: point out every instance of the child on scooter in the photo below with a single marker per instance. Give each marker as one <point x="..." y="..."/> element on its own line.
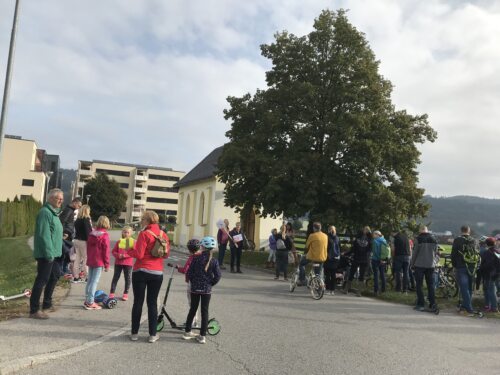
<point x="123" y="262"/>
<point x="193" y="246"/>
<point x="203" y="273"/>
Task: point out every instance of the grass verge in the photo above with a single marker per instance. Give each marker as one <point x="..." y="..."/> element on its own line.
<point x="17" y="272"/>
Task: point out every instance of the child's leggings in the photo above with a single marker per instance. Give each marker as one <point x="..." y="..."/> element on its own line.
<point x="195" y="301"/>
<point x="127" y="273"/>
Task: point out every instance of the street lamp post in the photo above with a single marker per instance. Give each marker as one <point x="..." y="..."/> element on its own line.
<point x="8" y="76"/>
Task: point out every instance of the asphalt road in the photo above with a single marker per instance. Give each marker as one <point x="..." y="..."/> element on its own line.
<point x="267" y="330"/>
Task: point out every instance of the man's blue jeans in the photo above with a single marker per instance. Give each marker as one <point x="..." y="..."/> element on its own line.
<point x="92" y="280"/>
<point x="302" y="268"/>
<point x="490" y="294"/>
<point x="401" y="265"/>
<point x="378" y="268"/>
<point x="465" y="282"/>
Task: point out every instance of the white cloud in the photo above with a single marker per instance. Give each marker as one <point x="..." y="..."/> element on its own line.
<point x="91" y="77"/>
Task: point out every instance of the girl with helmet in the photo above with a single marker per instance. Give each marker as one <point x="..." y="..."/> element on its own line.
<point x="193" y="246"/>
<point x="203" y="273"/>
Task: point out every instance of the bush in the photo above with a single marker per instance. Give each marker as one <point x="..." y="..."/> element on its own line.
<point x="17" y="218"/>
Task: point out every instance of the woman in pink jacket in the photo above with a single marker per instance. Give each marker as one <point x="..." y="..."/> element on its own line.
<point x="97" y="259"/>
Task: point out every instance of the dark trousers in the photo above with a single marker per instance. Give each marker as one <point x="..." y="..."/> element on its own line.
<point x="222" y="252"/>
<point x="140" y="282"/>
<point x="378" y="268"/>
<point x="47" y="275"/>
<point x="354" y="268"/>
<point x="195" y="302"/>
<point x="330" y="271"/>
<point x="428" y="273"/>
<point x="282" y="263"/>
<point x="127" y="273"/>
<point x="401" y="266"/>
<point x="236" y="257"/>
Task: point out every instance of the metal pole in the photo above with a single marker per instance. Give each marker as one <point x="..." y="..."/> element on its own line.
<point x="8" y="76"/>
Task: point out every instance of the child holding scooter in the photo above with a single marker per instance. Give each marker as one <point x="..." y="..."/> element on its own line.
<point x="123" y="262"/>
<point x="203" y="274"/>
<point x="193" y="246"/>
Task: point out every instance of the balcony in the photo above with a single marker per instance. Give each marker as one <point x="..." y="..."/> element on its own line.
<point x="139" y="177"/>
<point x="85" y="172"/>
<point x="136" y="213"/>
<point x="80" y="184"/>
<point x="140" y="190"/>
<point x="139" y="202"/>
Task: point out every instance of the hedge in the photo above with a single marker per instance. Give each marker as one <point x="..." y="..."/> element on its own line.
<point x="17" y="218"/>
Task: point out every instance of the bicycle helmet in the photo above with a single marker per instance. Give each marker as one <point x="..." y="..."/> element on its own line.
<point x="208" y="242"/>
<point x="193" y="245"/>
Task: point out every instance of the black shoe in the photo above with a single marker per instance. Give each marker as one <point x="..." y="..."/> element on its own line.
<point x="233" y="271"/>
<point x="239" y="271"/>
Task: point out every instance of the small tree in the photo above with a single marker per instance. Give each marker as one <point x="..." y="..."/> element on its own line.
<point x="107" y="197"/>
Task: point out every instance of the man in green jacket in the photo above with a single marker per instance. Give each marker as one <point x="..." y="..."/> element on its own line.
<point x="48" y="246"/>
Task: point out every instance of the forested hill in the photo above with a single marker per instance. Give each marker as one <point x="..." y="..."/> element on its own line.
<point x="450" y="213"/>
<point x="68" y="177"/>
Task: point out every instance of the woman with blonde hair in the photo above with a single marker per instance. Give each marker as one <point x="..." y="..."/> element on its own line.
<point x="147" y="274"/>
<point x="83" y="227"/>
<point x="97" y="259"/>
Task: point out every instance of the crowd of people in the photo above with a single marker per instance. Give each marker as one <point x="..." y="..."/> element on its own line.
<point x="63" y="245"/>
<point x="66" y="242"/>
<point x="412" y="261"/>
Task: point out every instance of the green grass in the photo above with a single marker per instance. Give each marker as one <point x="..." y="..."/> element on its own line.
<point x="17" y="266"/>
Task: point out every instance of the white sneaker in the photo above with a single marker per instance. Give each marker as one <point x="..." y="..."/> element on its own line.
<point x="201" y="339"/>
<point x="189" y="335"/>
<point x="134" y="337"/>
<point x="153" y="339"/>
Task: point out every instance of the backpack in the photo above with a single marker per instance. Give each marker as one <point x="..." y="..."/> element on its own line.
<point x="470" y="254"/>
<point x="385" y="251"/>
<point x="161" y="246"/>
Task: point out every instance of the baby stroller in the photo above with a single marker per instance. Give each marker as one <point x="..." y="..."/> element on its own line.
<point x="343" y="269"/>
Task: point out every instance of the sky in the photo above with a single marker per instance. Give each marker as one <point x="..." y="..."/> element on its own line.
<point x="146" y="82"/>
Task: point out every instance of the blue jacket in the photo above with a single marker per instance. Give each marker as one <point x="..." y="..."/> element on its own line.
<point x="376" y="247"/>
<point x="202" y="281"/>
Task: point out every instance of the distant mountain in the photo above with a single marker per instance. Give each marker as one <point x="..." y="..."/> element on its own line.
<point x="67" y="179"/>
<point x="450" y="213"/>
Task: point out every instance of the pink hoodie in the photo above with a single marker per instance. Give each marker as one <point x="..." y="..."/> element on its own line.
<point x="98" y="248"/>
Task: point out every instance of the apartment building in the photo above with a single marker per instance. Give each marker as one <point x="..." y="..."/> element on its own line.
<point x="147" y="187"/>
<point x="26" y="169"/>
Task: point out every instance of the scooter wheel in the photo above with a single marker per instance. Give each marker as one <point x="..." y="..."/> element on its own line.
<point x="213" y="327"/>
<point x="111" y="303"/>
<point x="160" y="325"/>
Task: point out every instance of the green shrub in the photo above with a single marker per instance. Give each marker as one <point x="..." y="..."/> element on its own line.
<point x="17" y="218"/>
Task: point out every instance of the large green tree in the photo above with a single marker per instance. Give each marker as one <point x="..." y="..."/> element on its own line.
<point x="106" y="197"/>
<point x="324" y="138"/>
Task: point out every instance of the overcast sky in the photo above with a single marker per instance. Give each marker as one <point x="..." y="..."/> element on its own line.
<point x="146" y="81"/>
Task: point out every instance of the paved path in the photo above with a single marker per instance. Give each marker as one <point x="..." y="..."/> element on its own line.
<point x="265" y="330"/>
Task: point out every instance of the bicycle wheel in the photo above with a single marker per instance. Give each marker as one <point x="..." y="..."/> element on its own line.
<point x="317" y="288"/>
<point x="451" y="285"/>
<point x="213" y="327"/>
<point x="369" y="283"/>
<point x="293" y="281"/>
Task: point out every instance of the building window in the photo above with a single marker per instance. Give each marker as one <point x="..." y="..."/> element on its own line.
<point x="161" y="211"/>
<point x="163" y="188"/>
<point x="123" y="185"/>
<point x="113" y="173"/>
<point x="188" y="210"/>
<point x="161" y="200"/>
<point x="121" y="221"/>
<point x="201" y="213"/>
<point x="162" y="177"/>
<point x="27" y="182"/>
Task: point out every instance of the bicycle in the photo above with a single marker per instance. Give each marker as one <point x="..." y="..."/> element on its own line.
<point x="314" y="281"/>
<point x="446" y="286"/>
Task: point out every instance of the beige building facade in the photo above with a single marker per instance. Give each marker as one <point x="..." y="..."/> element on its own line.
<point x="21" y="171"/>
<point x="147" y="187"/>
<point x="201" y="206"/>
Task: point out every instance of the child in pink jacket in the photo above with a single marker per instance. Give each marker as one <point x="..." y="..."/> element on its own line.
<point x="123" y="262"/>
<point x="97" y="260"/>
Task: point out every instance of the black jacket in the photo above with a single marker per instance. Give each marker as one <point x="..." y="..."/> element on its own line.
<point x="401" y="245"/>
<point x="490" y="265"/>
<point x="67" y="217"/>
<point x="287" y="240"/>
<point x="361" y="249"/>
<point x="82" y="229"/>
